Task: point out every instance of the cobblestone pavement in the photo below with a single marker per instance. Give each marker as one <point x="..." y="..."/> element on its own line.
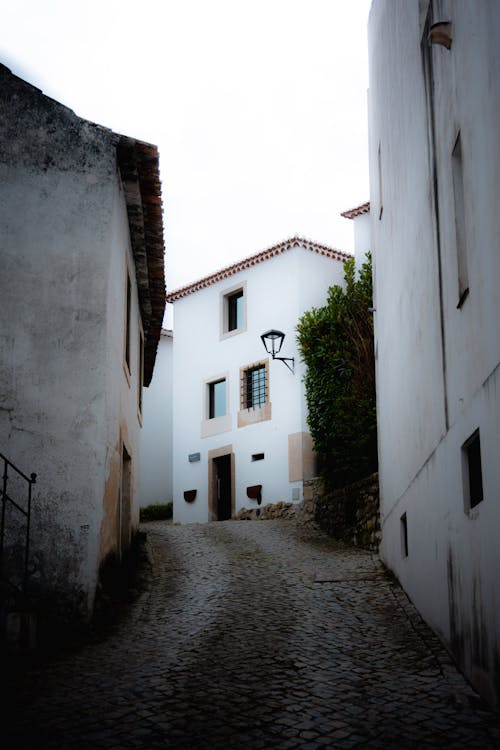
<point x="254" y="634"/>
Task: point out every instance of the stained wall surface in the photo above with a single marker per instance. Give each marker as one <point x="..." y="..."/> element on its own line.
<point x="67" y="407"/>
<point x="434" y="182"/>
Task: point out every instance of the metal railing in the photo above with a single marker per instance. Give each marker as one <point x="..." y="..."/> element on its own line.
<point x="253" y="387"/>
<point x="9" y="503"/>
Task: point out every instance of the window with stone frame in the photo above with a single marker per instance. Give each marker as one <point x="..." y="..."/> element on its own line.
<point x="233" y="310"/>
<point x="254" y="386"/>
<point x="216" y="399"/>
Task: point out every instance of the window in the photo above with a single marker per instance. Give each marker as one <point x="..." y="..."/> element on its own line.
<point x="255" y="404"/>
<point x="216" y="415"/>
<point x="128" y="307"/>
<point x="254" y="387"/>
<point x="458" y="196"/>
<point x="404" y="535"/>
<point x="380" y="196"/>
<point x="216" y="399"/>
<point x="473" y="475"/>
<point x="233" y="312"/>
<point x="140" y="373"/>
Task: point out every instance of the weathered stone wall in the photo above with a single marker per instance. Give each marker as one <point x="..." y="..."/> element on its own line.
<point x="351" y="514"/>
<point x="270" y="511"/>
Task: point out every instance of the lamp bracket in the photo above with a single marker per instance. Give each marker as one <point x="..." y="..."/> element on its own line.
<point x="286" y="360"/>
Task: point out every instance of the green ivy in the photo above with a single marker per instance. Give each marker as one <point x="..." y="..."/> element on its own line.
<point x="336" y="344"/>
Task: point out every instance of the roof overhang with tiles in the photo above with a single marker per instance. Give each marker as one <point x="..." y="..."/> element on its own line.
<point x="353" y="213"/>
<point x="140" y="173"/>
<point x="253" y="260"/>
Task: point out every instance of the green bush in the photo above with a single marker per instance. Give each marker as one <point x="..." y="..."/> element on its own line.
<point x="157" y="512"/>
<point x="336" y="344"/>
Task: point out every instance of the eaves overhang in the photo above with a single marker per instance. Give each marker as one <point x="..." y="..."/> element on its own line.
<point x="253" y="260"/>
<point x="138" y="163"/>
<point x="353" y="213"/>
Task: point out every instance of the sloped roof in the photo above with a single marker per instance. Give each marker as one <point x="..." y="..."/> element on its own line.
<point x="253" y="260"/>
<point x="352" y="213"/>
<point x="140" y="173"/>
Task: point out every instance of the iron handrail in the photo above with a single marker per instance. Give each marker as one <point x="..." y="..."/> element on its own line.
<point x="31" y="480"/>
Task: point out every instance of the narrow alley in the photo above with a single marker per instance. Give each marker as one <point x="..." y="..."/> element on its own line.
<point x="254" y="634"/>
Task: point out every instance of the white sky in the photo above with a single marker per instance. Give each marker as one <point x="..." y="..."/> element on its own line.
<point x="258" y="109"/>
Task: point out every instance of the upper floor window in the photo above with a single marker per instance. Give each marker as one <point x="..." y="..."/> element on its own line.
<point x="233" y="311"/>
<point x="140" y="372"/>
<point x="127" y="326"/>
<point x="380" y="194"/>
<point x="459" y="205"/>
<point x="254" y="384"/>
<point x="473" y="474"/>
<point x="255" y="405"/>
<point x="216" y="417"/>
<point x="217" y="399"/>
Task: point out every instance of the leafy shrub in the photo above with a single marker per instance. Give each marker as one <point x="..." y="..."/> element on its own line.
<point x="156" y="512"/>
<point x="336" y="344"/>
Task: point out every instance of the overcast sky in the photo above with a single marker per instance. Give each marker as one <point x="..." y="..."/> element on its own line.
<point x="258" y="109"/>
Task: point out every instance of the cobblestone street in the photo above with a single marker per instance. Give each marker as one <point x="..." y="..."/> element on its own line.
<point x="254" y="634"/>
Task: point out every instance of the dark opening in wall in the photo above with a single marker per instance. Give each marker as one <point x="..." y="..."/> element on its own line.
<point x="471" y="451"/>
<point x="257" y="456"/>
<point x="404" y="536"/>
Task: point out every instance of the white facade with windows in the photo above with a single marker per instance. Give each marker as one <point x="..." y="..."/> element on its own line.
<point x="434" y="104"/>
<point x="239" y="417"/>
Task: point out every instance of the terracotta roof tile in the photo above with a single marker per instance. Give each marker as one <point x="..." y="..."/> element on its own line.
<point x="252" y="260"/>
<point x="140" y="173"/>
<point x="352" y="213"/>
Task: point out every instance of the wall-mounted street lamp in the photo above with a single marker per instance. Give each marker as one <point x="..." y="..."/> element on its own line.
<point x="440" y="33"/>
<point x="273" y="341"/>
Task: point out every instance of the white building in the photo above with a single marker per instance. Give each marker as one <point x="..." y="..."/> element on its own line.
<point x="434" y="105"/>
<point x="156" y="434"/>
<point x="239" y="417"/>
<point x="83" y="296"/>
<point x="360" y="217"/>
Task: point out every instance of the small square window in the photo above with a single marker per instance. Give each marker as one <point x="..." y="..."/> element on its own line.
<point x="257" y="456"/>
<point x="254" y="387"/>
<point x="217" y="399"/>
<point x="473" y="475"/>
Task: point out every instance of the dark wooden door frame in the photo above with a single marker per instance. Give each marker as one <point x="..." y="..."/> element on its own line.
<point x="213" y="455"/>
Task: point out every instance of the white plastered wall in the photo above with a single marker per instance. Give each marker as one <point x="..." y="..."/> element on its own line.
<point x="156" y="435"/>
<point x="277" y="292"/>
<point x="64" y="243"/>
<point x="438" y="364"/>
